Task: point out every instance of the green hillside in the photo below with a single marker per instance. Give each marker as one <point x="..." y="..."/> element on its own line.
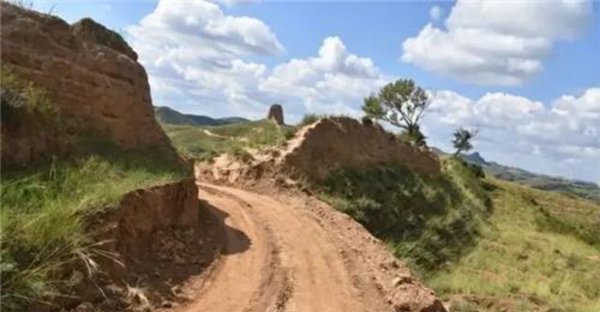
<point x="169" y="116"/>
<point x="484" y="245"/>
<point x="206" y="142"/>
<point x="581" y="189"/>
<point x="538" y="251"/>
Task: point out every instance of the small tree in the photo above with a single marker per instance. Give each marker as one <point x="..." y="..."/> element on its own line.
<point x="400" y="103"/>
<point x="462" y="140"/>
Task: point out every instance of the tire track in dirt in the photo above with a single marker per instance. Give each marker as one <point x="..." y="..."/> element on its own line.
<point x="291" y="264"/>
<point x="248" y="274"/>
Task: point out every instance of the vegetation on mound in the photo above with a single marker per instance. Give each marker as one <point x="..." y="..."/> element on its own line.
<point x="539" y="251"/>
<point x="43" y="216"/>
<point x="18" y="96"/>
<point x="483" y="244"/>
<point x="205" y="143"/>
<point x="430" y="221"/>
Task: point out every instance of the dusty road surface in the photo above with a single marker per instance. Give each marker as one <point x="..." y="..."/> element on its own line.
<point x="284" y="253"/>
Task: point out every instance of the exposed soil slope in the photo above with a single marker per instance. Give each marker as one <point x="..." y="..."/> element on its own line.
<point x="316" y="149"/>
<point x="92" y="78"/>
<point x="289" y="252"/>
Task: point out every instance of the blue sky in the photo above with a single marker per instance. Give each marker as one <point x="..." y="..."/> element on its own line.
<point x="526" y="73"/>
<point x="373" y="29"/>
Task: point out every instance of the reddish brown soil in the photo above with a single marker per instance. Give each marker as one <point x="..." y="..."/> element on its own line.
<point x="285" y="251"/>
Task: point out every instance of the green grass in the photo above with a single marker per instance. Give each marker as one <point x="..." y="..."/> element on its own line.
<point x="22" y="97"/>
<point x="429" y="221"/>
<point x="204" y="143"/>
<point x="44" y="209"/>
<point x="538" y="250"/>
<point x="43" y="217"/>
<point x="482" y="244"/>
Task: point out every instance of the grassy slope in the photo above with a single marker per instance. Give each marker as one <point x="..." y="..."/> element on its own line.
<point x="204" y="143"/>
<point x="43" y="210"/>
<point x="525" y="250"/>
<point x="428" y="221"/>
<point x="170" y="116"/>
<point x="539" y="250"/>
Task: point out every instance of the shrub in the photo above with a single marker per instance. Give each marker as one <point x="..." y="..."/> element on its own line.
<point x="430" y="221"/>
<point x="367" y="121"/>
<point x="18" y="95"/>
<point x="308" y="120"/>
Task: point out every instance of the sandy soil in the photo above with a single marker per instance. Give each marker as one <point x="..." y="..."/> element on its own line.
<point x="288" y="252"/>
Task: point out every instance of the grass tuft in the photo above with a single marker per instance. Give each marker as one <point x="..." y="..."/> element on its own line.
<point x="43" y="217"/>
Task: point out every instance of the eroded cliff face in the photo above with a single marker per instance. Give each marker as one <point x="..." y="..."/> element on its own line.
<point x="345" y="142"/>
<point x="144" y="218"/>
<point x="89" y="72"/>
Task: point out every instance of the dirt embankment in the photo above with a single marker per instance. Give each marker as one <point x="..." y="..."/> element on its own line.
<point x="345" y="142"/>
<point x="147" y="245"/>
<point x="318" y="148"/>
<point x="90" y="74"/>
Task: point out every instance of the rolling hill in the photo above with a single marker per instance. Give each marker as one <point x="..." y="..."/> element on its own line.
<point x="166" y="115"/>
<point x="583" y="189"/>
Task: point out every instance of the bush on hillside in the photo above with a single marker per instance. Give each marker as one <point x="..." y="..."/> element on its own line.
<point x="18" y="96"/>
<point x="429" y="221"/>
<point x="308" y="119"/>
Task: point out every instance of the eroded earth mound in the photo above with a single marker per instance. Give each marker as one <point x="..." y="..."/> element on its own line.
<point x="316" y="149"/>
<point x="92" y="77"/>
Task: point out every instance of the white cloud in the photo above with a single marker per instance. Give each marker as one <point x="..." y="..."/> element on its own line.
<point x="334" y="79"/>
<point x="192" y="43"/>
<point x="203" y="61"/>
<point x="198" y="57"/>
<point x="561" y="138"/>
<point x="435" y="13"/>
<point x="496" y="42"/>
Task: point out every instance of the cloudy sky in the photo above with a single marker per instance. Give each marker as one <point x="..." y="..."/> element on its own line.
<point x="526" y="73"/>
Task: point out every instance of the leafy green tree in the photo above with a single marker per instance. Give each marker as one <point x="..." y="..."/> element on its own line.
<point x="402" y="104"/>
<point x="462" y="140"/>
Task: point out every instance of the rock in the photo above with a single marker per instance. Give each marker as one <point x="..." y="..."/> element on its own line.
<point x="276" y="113"/>
<point x="85" y="307"/>
<point x="402" y="280"/>
<point x="91" y="77"/>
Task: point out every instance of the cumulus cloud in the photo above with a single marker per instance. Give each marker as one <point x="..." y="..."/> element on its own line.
<point x="198" y="57"/>
<point x="193" y="43"/>
<point x="562" y="137"/>
<point x="335" y="79"/>
<point x="496" y="42"/>
<point x="201" y="60"/>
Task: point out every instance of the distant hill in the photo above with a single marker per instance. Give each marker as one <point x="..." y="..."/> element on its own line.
<point x="170" y="116"/>
<point x="583" y="189"/>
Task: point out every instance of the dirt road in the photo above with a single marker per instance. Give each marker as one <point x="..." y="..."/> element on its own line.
<point x="283" y="253"/>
